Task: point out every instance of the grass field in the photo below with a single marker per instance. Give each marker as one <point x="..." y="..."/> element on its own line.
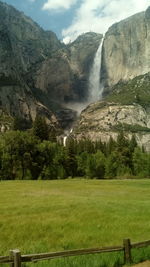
<point x="44" y="216"/>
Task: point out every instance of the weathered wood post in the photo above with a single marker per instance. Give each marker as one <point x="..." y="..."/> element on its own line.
<point x="15" y="256"/>
<point x="127" y="251"/>
<point x="11" y="257"/>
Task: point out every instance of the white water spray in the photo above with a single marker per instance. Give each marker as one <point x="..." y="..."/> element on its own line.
<point x="64" y="140"/>
<point x="95" y="88"/>
<point x="66" y="136"/>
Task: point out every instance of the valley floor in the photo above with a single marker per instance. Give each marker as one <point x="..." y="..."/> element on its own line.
<point x="44" y="216"/>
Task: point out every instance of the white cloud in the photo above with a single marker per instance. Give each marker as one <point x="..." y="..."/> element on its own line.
<point x="98" y="15"/>
<point x="58" y="5"/>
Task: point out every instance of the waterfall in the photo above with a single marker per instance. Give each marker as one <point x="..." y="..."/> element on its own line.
<point x="66" y="136"/>
<point x="95" y="88"/>
<point x="64" y="140"/>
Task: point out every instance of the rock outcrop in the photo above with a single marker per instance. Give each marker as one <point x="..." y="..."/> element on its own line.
<point x="126" y="49"/>
<point x="126" y="108"/>
<point x="103" y="120"/>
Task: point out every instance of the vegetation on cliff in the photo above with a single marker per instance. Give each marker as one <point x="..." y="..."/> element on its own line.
<point x="136" y="91"/>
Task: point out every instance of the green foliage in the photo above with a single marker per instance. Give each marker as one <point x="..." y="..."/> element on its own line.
<point x="17" y="155"/>
<point x="71" y="161"/>
<point x="141" y="163"/>
<point x="40" y="128"/>
<point x="25" y="156"/>
<point x="95" y="167"/>
<point x="112" y="165"/>
<point x="136" y="90"/>
<point x="130" y="128"/>
<point x="21" y="124"/>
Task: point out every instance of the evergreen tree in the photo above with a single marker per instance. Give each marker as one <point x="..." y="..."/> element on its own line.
<point x="82" y="163"/>
<point x="112" y="165"/>
<point x="141" y="163"/>
<point x="71" y="160"/>
<point x="96" y="165"/>
<point x="21" y="124"/>
<point x="40" y="128"/>
<point x="111" y="146"/>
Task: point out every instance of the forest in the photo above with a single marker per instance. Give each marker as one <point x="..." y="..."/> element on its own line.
<point x="35" y="154"/>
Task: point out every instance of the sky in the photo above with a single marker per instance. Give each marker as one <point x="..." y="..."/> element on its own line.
<point x="70" y="18"/>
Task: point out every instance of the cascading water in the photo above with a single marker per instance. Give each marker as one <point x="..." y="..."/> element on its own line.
<point x="66" y="136"/>
<point x="64" y="140"/>
<point x="95" y="88"/>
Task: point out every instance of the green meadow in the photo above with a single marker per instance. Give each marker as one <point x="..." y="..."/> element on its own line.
<point x="56" y="215"/>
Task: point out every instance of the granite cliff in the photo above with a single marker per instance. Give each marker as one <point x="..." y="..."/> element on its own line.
<point x="23" y="44"/>
<point x="126" y="80"/>
<point x="39" y="74"/>
<point x="126" y="49"/>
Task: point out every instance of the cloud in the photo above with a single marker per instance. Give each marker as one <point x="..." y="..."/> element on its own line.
<point x="98" y="15"/>
<point x="59" y="5"/>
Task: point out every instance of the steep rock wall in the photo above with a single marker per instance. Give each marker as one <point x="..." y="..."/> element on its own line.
<point x="64" y="76"/>
<point x="23" y="45"/>
<point x="126" y="49"/>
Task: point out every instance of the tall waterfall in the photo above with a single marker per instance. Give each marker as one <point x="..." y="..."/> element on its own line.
<point x="95" y="88"/>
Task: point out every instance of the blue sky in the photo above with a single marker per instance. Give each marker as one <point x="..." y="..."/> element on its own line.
<point x="70" y="18"/>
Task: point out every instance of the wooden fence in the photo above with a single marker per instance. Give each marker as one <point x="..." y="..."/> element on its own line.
<point x="15" y="259"/>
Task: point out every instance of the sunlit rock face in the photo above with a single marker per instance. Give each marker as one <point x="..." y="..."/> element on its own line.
<point x="102" y="120"/>
<point x="126" y="49"/>
<point x="126" y="108"/>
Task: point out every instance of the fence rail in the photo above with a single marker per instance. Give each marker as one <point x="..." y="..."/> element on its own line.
<point x="16" y="259"/>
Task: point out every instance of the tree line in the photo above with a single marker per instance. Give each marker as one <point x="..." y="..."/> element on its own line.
<point x="35" y="154"/>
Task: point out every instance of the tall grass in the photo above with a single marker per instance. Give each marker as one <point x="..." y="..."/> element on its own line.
<point x="44" y="216"/>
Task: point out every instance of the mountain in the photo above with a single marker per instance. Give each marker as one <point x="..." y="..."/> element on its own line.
<point x="126" y="49"/>
<point x="125" y="75"/>
<point x="126" y="108"/>
<point x="23" y="45"/>
<point x="39" y="74"/>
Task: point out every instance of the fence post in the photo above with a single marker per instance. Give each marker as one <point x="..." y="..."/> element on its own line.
<point x="15" y="256"/>
<point x="127" y="251"/>
<point x="11" y="258"/>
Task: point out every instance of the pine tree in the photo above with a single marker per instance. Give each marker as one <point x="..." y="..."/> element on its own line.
<point x="40" y="128"/>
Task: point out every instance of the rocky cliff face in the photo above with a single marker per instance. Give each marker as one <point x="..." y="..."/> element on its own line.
<point x="125" y="109"/>
<point x="126" y="49"/>
<point x="103" y="120"/>
<point x="23" y="45"/>
<point x="64" y="76"/>
<point x="38" y="74"/>
<point x="126" y="78"/>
